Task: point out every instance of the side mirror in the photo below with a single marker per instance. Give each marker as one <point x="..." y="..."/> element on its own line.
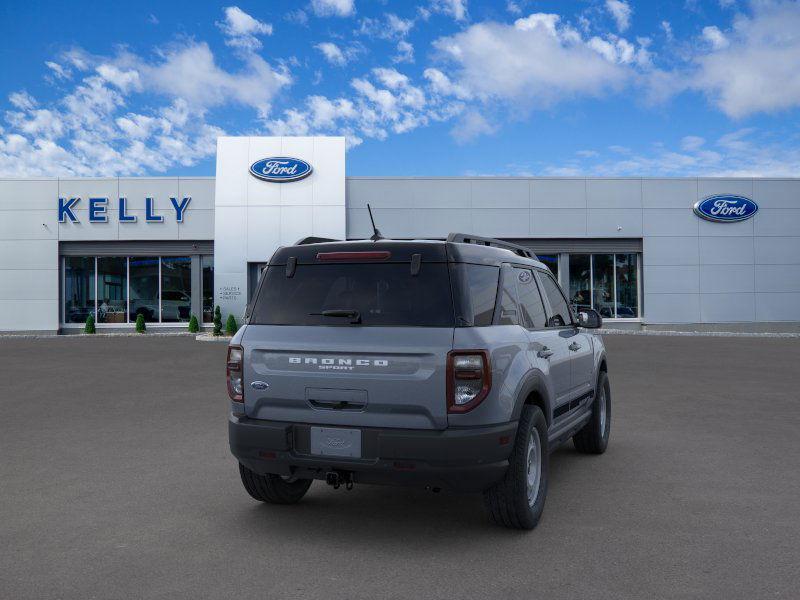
<point x="589" y="318"/>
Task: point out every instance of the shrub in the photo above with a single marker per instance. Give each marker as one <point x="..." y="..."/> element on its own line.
<point x="217" y="321"/>
<point x="140" y="326"/>
<point x="89" y="327"/>
<point x="230" y="325"/>
<point x="193" y="325"/>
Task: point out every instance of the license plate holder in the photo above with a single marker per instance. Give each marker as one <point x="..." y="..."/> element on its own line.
<point x="336" y="441"/>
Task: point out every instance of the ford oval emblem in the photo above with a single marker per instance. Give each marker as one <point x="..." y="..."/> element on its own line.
<point x="725" y="208"/>
<point x="280" y="169"/>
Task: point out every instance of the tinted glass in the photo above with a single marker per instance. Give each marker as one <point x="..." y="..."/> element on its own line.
<point x="560" y="314"/>
<point x="603" y="284"/>
<point x="580" y="289"/>
<point x="509" y="314"/>
<point x="112" y="289"/>
<point x="627" y="286"/>
<point x="207" y="264"/>
<point x="530" y="302"/>
<point x="475" y="288"/>
<point x="383" y="295"/>
<point x="176" y="288"/>
<point x="78" y="288"/>
<point x="144" y="288"/>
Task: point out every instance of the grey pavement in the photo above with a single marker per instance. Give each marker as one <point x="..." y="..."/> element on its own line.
<point x="116" y="482"/>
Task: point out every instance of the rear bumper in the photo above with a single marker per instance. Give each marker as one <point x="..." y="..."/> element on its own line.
<point x="462" y="459"/>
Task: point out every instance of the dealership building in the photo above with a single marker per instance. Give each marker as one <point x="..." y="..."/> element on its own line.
<point x="676" y="253"/>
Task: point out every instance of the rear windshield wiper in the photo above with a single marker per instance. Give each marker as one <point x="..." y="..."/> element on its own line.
<point x="353" y="315"/>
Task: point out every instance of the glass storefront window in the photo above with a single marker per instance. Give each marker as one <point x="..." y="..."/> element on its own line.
<point x="609" y="283"/>
<point x="112" y="289"/>
<point x="144" y="288"/>
<point x="207" y="265"/>
<point x="176" y="289"/>
<point x="580" y="285"/>
<point x="603" y="284"/>
<point x="627" y="286"/>
<point x="79" y="288"/>
<point x="551" y="260"/>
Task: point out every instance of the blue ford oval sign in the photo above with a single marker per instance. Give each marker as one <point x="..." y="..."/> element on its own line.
<point x="725" y="208"/>
<point x="281" y="169"/>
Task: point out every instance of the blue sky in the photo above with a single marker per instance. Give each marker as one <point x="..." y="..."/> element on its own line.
<point x="424" y="87"/>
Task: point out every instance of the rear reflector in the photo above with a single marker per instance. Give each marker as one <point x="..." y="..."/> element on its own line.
<point x="370" y="255"/>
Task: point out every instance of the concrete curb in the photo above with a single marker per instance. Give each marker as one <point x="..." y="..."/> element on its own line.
<point x="207" y="337"/>
<point x="698" y="333"/>
<point x="77" y="336"/>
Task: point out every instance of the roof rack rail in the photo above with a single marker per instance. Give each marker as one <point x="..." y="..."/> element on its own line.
<point x="466" y="238"/>
<point x="311" y="239"/>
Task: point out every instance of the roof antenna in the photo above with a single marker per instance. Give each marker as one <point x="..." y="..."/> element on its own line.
<point x="377" y="235"/>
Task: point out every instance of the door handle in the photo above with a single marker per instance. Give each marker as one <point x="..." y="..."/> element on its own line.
<point x="574" y="346"/>
<point x="545" y="352"/>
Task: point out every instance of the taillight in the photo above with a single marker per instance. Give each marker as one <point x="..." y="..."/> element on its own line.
<point x="469" y="378"/>
<point x="234" y="372"/>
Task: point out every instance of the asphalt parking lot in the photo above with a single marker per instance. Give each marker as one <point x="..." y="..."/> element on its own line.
<point x="116" y="482"/>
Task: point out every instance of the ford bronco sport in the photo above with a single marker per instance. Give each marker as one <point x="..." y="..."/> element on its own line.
<point x="453" y="364"/>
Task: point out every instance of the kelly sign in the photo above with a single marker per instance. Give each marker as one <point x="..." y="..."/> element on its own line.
<point x="98" y="210"/>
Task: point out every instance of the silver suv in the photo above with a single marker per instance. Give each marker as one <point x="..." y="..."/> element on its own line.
<point x="453" y="364"/>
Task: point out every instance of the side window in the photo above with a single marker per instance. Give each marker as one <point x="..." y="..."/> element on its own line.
<point x="482" y="282"/>
<point x="530" y="301"/>
<point x="508" y="299"/>
<point x="560" y="314"/>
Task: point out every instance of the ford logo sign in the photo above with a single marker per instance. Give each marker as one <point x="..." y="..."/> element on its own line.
<point x="725" y="208"/>
<point x="280" y="169"/>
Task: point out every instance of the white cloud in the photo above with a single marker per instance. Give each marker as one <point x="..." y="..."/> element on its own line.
<point x="455" y="8"/>
<point x="333" y="54"/>
<point x="692" y="142"/>
<point x="241" y="29"/>
<point x="405" y="52"/>
<point x="666" y="27"/>
<point x="390" y="27"/>
<point x="534" y="63"/>
<point x="759" y="68"/>
<point x="91" y="130"/>
<point x="58" y="70"/>
<point x="337" y="8"/>
<point x="22" y="100"/>
<point x="715" y="37"/>
<point x="742" y="153"/>
<point x="513" y="7"/>
<point x="441" y="84"/>
<point x="385" y="101"/>
<point x="337" y="55"/>
<point x="621" y="12"/>
<point x="126" y="80"/>
<point x="471" y="125"/>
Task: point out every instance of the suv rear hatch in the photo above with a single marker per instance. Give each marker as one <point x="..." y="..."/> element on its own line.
<point x="351" y="334"/>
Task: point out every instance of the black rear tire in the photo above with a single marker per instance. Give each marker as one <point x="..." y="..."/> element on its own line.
<point x="273" y="489"/>
<point x="593" y="437"/>
<point x="508" y="502"/>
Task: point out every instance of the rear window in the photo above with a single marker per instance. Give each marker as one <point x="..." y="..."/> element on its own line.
<point x="384" y="294"/>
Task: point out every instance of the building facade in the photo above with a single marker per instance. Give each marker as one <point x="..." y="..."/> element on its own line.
<point x="636" y="249"/>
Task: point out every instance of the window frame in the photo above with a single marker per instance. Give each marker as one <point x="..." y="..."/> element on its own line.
<point x="537" y="283"/>
<point x="548" y="307"/>
<point x="505" y="269"/>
